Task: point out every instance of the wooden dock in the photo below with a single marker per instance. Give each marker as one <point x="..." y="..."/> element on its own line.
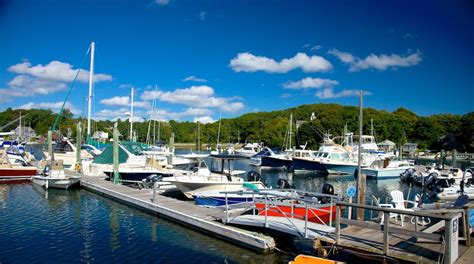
<point x="207" y="220"/>
<point x="437" y="243"/>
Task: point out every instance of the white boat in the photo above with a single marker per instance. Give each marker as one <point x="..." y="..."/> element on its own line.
<point x="256" y="160"/>
<point x="453" y="192"/>
<point x="248" y="150"/>
<point x="66" y="151"/>
<point x="221" y="176"/>
<point x="54" y="176"/>
<point x="387" y="168"/>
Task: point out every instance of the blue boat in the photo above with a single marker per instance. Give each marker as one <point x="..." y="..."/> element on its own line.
<point x="219" y="201"/>
<point x="307" y="160"/>
<point x="276" y="161"/>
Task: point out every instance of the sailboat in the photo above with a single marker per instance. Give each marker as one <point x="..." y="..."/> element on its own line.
<point x="285" y="158"/>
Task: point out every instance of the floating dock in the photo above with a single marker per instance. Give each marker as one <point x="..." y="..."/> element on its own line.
<point x="207" y="220"/>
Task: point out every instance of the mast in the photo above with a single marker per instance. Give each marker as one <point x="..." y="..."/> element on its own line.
<point x="199" y="138"/>
<point x="372" y="127"/>
<point x="19" y="132"/>
<point x="290" y="131"/>
<point x="131" y="117"/>
<point x="219" y="130"/>
<point x="89" y="98"/>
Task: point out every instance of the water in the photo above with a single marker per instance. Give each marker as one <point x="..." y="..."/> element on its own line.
<point x="79" y="226"/>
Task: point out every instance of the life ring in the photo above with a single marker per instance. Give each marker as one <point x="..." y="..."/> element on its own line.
<point x="78" y="167"/>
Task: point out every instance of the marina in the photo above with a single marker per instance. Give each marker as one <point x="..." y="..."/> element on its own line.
<point x="170" y="131"/>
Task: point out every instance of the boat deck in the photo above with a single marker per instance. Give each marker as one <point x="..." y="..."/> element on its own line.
<point x="208" y="220"/>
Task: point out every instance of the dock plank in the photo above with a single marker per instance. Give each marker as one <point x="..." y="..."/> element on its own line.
<point x="200" y="218"/>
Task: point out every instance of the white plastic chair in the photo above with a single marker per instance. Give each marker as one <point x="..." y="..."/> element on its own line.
<point x="399" y="203"/>
<point x="378" y="204"/>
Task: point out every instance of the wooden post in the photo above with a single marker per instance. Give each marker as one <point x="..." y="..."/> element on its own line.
<point x="454" y="157"/>
<point x="78" y="144"/>
<point x="338" y="224"/>
<point x="50" y="145"/>
<point x="170" y="156"/>
<point x="386" y="245"/>
<point x="116" y="179"/>
<point x="155" y="184"/>
<point x="360" y="176"/>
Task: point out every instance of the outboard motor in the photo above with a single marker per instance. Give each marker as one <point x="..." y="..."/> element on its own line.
<point x="430" y="180"/>
<point x="283" y="184"/>
<point x="150" y="180"/>
<point x="407" y="176"/>
<point x="435" y="191"/>
<point x="253" y="176"/>
<point x="327" y="189"/>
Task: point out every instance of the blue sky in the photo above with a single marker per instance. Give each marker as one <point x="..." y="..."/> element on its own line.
<point x="234" y="57"/>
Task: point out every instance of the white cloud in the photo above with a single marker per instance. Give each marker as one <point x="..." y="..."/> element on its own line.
<point x="247" y="62"/>
<point x="195" y="96"/>
<point x="55" y="107"/>
<point x="204" y="119"/>
<point x="116" y="101"/>
<point x="193" y="78"/>
<point x="328" y="93"/>
<point x="124" y="101"/>
<point x="25" y="86"/>
<point x="286" y="95"/>
<point x="309" y="83"/>
<point x="203" y="15"/>
<point x="125" y="86"/>
<point x="409" y="36"/>
<point x="56" y="71"/>
<point x="379" y="62"/>
<point x="316" y="47"/>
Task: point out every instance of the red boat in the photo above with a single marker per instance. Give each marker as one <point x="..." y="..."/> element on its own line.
<point x="317" y="215"/>
<point x="17" y="172"/>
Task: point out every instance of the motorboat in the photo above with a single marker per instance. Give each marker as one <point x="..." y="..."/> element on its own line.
<point x="9" y="171"/>
<point x="65" y="150"/>
<point x="54" y="176"/>
<point x="248" y="150"/>
<point x="278" y="160"/>
<point x="387" y="168"/>
<point x="220" y="176"/>
<point x="256" y="160"/>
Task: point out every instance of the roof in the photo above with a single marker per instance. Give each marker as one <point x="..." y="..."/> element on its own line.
<point x="386" y="143"/>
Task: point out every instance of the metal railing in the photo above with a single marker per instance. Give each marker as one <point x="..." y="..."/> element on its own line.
<point x="274" y="200"/>
<point x="450" y="224"/>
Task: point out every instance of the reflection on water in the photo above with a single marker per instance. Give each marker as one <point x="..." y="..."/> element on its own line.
<point x="79" y="226"/>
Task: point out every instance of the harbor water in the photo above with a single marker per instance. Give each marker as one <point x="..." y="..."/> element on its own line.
<point x="80" y="226"/>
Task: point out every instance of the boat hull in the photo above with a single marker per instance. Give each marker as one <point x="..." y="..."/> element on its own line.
<point x="275" y="162"/>
<point x="59" y="183"/>
<point x="314" y="215"/>
<point x="220" y="201"/>
<point x="309" y="165"/>
<point x="134" y="176"/>
<point x="340" y="169"/>
<point x="388" y="173"/>
<point x="21" y="172"/>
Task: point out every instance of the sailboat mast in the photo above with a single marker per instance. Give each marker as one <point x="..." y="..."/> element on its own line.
<point x="219" y="130"/>
<point x="131" y="117"/>
<point x="89" y="98"/>
<point x="372" y="127"/>
<point x="291" y="131"/>
<point x="19" y="132"/>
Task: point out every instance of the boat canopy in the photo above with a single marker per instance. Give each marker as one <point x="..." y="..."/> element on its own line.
<point x="107" y="156"/>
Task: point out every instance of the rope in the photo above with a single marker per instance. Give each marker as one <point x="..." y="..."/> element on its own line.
<point x="69" y="91"/>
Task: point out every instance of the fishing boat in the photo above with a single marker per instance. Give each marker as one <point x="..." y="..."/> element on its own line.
<point x="8" y="171"/>
<point x="387" y="168"/>
<point x="54" y="176"/>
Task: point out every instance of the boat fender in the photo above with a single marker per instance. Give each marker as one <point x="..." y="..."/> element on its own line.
<point x="78" y="167"/>
<point x="46" y="170"/>
<point x="253" y="176"/>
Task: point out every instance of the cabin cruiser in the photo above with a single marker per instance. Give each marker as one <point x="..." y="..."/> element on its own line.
<point x="256" y="160"/>
<point x="66" y="151"/>
<point x="220" y="176"/>
<point x="54" y="176"/>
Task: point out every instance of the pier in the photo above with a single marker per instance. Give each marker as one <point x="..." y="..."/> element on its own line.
<point x="207" y="220"/>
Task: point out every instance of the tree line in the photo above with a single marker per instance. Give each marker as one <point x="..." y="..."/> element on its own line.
<point x="435" y="132"/>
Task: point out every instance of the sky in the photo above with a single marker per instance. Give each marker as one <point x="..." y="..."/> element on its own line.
<point x="198" y="60"/>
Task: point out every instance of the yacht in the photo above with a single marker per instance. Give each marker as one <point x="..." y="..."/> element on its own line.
<point x="248" y="150"/>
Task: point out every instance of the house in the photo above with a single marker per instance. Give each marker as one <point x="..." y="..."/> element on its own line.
<point x="100" y="136"/>
<point x="386" y="145"/>
<point x="408" y="149"/>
